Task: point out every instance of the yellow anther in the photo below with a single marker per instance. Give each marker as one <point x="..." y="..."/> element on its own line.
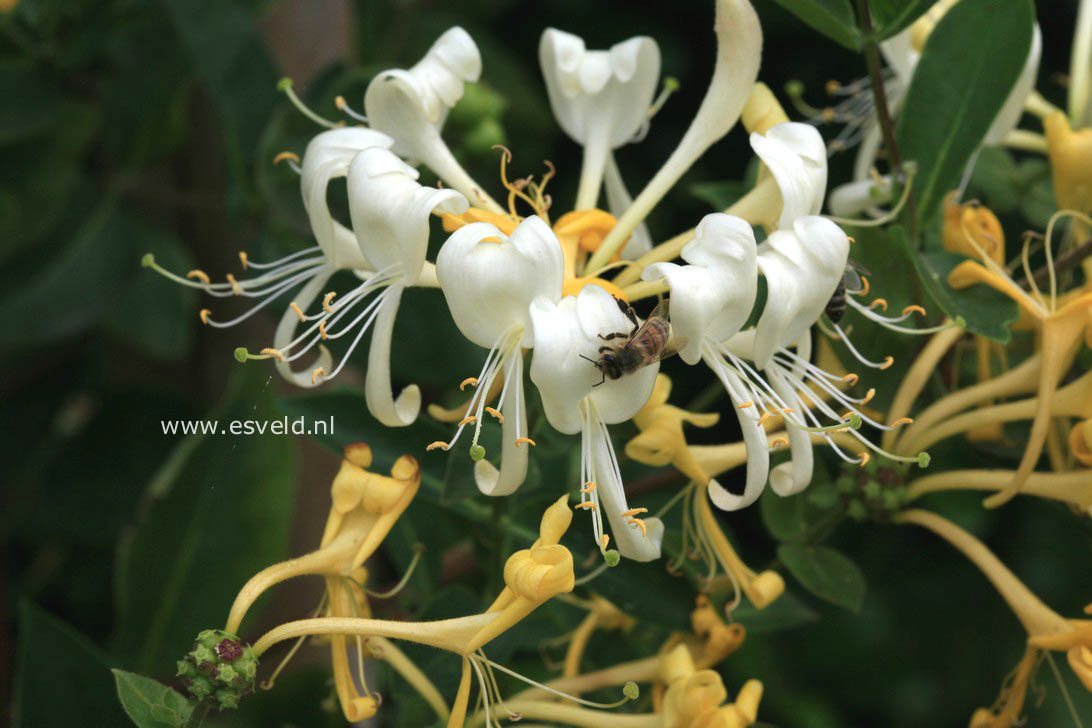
<point x="603" y="541"/>
<point x="765" y="416"/>
<point x="468" y="420"/>
<point x="745" y="405"/>
<point x="879" y="302"/>
<point x="439" y="444"/>
<point x="586" y="505"/>
<point x="340" y="102"/>
<point x="471" y="381"/>
<point x="326" y="301"/>
<point x="787" y="410"/>
<point x="319" y="372"/>
<point x="298" y="311"/>
<point x="525" y="441"/>
<point x="832" y="87"/>
<point x="902" y="421"/>
<point x="828" y="115"/>
<point x="290" y="156"/>
<point x="914" y="308"/>
<point x="235" y="288"/>
<point x="779" y="442"/>
<point x="634" y="512"/>
<point x="244" y="259"/>
<point x="868" y="396"/>
<point x="589" y="487"/>
<point x="640" y="524"/>
<point x="867" y="287"/>
<point x="275" y="353"/>
<point x="851" y="379"/>
<point x="199" y="275"/>
<point x="887" y="362"/>
<point x="852" y="240"/>
<point x="204" y="315"/>
<point x="495" y="413"/>
<point x="866" y="457"/>
<point x="322" y="330"/>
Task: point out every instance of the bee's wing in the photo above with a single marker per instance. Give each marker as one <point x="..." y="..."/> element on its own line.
<point x="674" y="345"/>
<point x="662" y="310"/>
<point x="851" y="279"/>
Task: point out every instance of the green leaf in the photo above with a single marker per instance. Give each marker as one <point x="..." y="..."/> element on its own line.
<point x="891" y="16"/>
<point x="960" y="83"/>
<point x="985" y="311"/>
<point x="825" y="572"/>
<point x="218" y="512"/>
<point x="833" y="18"/>
<point x="719" y="195"/>
<point x="149" y="703"/>
<point x="783" y="517"/>
<point x="53" y="659"/>
<point x="788" y="611"/>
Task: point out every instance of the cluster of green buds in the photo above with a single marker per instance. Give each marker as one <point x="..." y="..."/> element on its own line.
<point x="220" y="666"/>
<point x="874" y="491"/>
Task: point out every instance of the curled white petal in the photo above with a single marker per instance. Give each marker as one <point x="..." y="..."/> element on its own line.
<point x="853" y="198"/>
<point x="796" y="156"/>
<point x="327" y="157"/>
<point x="378" y="393"/>
<point x="390" y="211"/>
<point x="1013" y="108"/>
<point x="754" y="437"/>
<point x="795" y="475"/>
<point x="489" y="279"/>
<point x="608" y="89"/>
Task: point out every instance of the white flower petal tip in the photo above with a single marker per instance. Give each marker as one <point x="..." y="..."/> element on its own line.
<point x="398" y="102"/>
<point x="637" y="545"/>
<point x="726" y="501"/>
<point x="378" y="393"/>
<point x="567" y="341"/>
<point x="796" y="156"/>
<point x="327" y="157"/>
<point x="713" y="296"/>
<point x="390" y="212"/>
<point x="490" y="279"/>
<point x="599" y="92"/>
<point x="854" y="198"/>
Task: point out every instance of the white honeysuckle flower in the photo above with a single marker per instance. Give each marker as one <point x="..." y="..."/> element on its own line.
<point x="600" y="98"/>
<point x="489" y="280"/>
<point x="796" y="156"/>
<point x="390" y="213"/>
<point x="327" y="158"/>
<point x="1080" y="69"/>
<point x="577" y="398"/>
<point x="411" y="106"/>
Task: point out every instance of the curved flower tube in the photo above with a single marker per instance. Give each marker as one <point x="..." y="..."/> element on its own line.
<point x="489" y="280"/>
<point x="411" y="106"/>
<point x="576" y="398"/>
<point x="797" y="158"/>
<point x="600" y="98"/>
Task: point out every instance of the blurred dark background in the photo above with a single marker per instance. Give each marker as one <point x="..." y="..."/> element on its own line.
<point x="135" y="126"/>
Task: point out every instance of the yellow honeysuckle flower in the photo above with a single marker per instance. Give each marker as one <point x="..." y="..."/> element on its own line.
<point x="1080" y="442"/>
<point x="1046" y="629"/>
<point x="1070" y="155"/>
<point x="661" y="440"/>
<point x="601" y="615"/>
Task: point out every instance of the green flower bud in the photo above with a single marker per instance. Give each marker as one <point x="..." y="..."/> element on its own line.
<point x="220" y="666"/>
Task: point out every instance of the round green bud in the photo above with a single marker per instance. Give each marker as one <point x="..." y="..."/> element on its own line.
<point x="241" y="354"/>
<point x="961" y="322"/>
<point x="854" y="421"/>
<point x="477" y="452"/>
<point x="924" y="459"/>
<point x="147" y="260"/>
<point x="671" y="83"/>
<point x="856" y="510"/>
<point x="794" y="88"/>
<point x="219" y="666"/>
<point x="612" y="557"/>
<point x="631" y="691"/>
<point x="872" y="489"/>
<point x="284" y="84"/>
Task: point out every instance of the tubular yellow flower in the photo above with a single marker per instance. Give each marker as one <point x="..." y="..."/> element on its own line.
<point x="1080" y="442"/>
<point x="1070" y="155"/>
<point x="661" y="440"/>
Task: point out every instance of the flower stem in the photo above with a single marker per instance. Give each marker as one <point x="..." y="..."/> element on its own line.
<point x="200" y="712"/>
<point x="1073" y="487"/>
<point x="883" y="112"/>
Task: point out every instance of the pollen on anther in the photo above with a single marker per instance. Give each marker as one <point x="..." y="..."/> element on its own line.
<point x="640" y="524"/>
<point x="832" y="86"/>
<point x="235" y="288"/>
<point x="204" y="315"/>
<point x="495" y="413"/>
<point x="745" y="405"/>
<point x="525" y="441"/>
<point x="319" y="372"/>
<point x="585" y="505"/>
<point x="275" y="353"/>
<point x="852" y="240"/>
<point x="326" y="301"/>
<point x="778" y="442"/>
<point x="290" y="156"/>
<point x="322" y="330"/>
<point x="869" y="395"/>
<point x="468" y="420"/>
<point x="199" y="275"/>
<point x="879" y="302"/>
<point x="851" y="379"/>
<point x="603" y="541"/>
<point x="297" y="310"/>
<point x="765" y="416"/>
<point x="866" y="287"/>
<point x="787" y="410"/>
<point x="887" y="362"/>
<point x="244" y="259"/>
<point x="828" y="115"/>
<point x="469" y="381"/>
<point x="866" y="457"/>
<point x="438" y="445"/>
<point x="902" y="421"/>
<point x="914" y="308"/>
<point x="634" y="512"/>
<point x="589" y="487"/>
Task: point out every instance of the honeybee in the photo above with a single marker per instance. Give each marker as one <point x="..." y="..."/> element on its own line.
<point x="850" y="282"/>
<point x="644" y="344"/>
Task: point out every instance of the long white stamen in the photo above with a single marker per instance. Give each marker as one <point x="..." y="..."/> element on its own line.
<point x="281" y="261"/>
<point x="858" y="355"/>
<point x="367" y="324"/>
<point x="276" y="293"/>
<point x="484" y="382"/>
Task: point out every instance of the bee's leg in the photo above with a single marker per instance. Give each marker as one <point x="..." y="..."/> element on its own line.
<point x="603" y="379"/>
<point x="615" y="335"/>
<point x="630" y="314"/>
<point x="605" y="348"/>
